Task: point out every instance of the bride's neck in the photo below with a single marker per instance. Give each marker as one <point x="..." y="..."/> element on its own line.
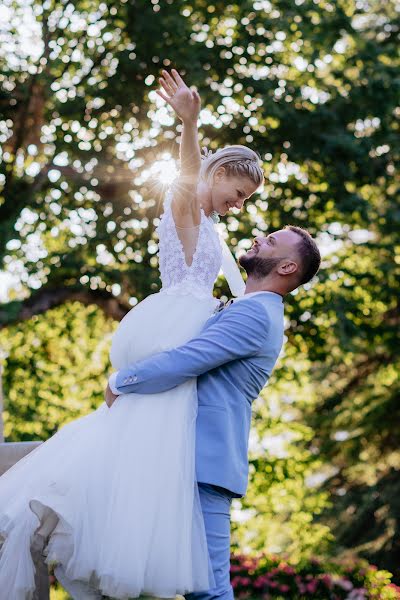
<point x="204" y="193"/>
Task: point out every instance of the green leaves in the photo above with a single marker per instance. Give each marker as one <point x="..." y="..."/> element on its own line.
<point x="56" y="368"/>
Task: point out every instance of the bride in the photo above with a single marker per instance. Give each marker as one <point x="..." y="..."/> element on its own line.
<point x="112" y="498"/>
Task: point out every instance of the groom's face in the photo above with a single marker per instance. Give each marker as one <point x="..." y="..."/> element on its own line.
<point x="267" y="253"/>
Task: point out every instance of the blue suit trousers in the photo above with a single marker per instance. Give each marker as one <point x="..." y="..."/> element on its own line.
<point x="216" y="506"/>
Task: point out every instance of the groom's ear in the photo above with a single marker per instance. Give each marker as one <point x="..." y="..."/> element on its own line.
<point x="288" y="267"/>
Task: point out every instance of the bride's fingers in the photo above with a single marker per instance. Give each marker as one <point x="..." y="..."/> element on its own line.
<point x="166" y="87"/>
<point x="163" y="96"/>
<point x="168" y="78"/>
<point x="196" y="96"/>
<point x="177" y="77"/>
<point x="170" y="82"/>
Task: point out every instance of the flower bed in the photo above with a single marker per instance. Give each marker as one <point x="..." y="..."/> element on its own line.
<point x="270" y="577"/>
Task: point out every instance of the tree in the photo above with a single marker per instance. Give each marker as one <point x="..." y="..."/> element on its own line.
<point x="55" y="369"/>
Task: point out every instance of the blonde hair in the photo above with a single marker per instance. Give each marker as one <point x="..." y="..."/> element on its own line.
<point x="238" y="161"/>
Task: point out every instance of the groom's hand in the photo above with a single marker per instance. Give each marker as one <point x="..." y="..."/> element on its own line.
<point x="109" y="397"/>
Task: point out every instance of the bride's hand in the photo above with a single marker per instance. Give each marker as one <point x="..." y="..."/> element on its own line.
<point x="185" y="102"/>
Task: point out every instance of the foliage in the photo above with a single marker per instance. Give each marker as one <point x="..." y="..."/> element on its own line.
<point x="271" y="577"/>
<point x="44" y="383"/>
<point x="279" y="511"/>
<point x="267" y="576"/>
<point x="58" y="593"/>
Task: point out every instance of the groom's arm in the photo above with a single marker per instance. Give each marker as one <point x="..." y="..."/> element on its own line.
<point x="240" y="332"/>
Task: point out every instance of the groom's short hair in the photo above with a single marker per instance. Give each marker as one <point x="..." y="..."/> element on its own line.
<point x="309" y="254"/>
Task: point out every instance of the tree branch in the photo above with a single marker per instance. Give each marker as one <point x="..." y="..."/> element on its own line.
<point x="47" y="298"/>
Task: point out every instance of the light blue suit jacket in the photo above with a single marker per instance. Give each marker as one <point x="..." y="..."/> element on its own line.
<point x="232" y="358"/>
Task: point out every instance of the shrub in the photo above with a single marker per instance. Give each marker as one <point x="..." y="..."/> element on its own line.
<point x="270" y="577"/>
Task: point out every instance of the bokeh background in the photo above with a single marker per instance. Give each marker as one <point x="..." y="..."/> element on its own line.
<point x="87" y="152"/>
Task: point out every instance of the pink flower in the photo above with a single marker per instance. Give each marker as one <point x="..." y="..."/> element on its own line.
<point x="311" y="586"/>
<point x="362" y="572"/>
<point x="289" y="570"/>
<point x="235" y="581"/>
<point x="357" y="594"/>
<point x="284" y="588"/>
<point x="235" y="568"/>
<point x="327" y="581"/>
<point x="345" y="584"/>
<point x="259" y="583"/>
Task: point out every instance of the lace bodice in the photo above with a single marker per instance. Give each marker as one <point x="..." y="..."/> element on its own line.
<point x="176" y="274"/>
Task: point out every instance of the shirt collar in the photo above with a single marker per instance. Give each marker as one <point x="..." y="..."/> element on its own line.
<point x="251" y="294"/>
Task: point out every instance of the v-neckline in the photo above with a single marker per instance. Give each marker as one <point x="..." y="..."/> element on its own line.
<point x="203" y="217"/>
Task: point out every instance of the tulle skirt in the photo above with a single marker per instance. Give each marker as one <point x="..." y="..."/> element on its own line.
<point x="112" y="496"/>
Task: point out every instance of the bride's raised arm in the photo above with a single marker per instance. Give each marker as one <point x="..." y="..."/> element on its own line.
<point x="186" y="104"/>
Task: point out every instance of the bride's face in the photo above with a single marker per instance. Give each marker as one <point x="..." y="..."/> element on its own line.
<point x="229" y="191"/>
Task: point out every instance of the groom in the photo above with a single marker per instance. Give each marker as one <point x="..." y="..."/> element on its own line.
<point x="233" y="359"/>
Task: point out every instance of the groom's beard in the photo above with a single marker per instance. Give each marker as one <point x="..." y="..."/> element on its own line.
<point x="258" y="267"/>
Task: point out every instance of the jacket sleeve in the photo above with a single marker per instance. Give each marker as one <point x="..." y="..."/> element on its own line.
<point x="240" y="332"/>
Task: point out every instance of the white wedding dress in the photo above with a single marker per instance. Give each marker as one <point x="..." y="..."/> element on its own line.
<point x="112" y="496"/>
